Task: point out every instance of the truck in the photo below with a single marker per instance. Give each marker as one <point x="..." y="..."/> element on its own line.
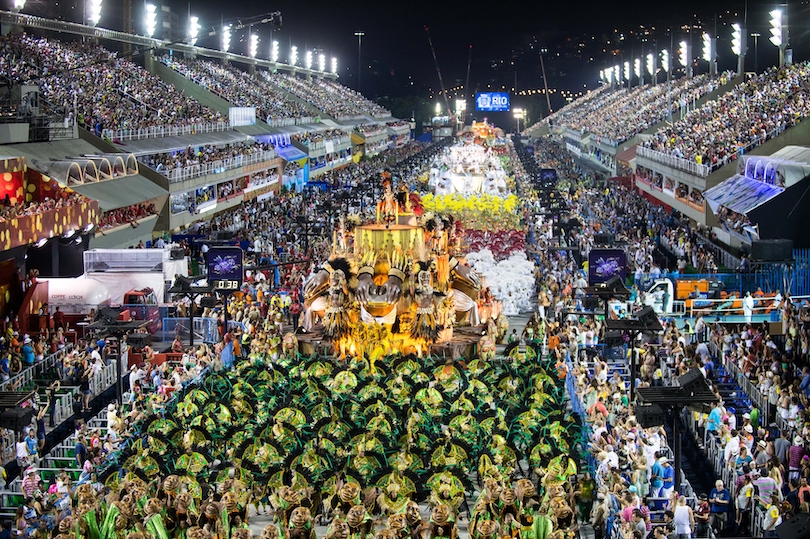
<point x="680" y="296"/>
<point x="138" y="293"/>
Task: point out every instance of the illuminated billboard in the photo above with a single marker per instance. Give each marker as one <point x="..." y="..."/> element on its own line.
<point x="492" y="102"/>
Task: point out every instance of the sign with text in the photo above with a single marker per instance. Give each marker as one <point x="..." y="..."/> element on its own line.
<point x="606" y="263"/>
<point x="225" y="267"/>
<point x="492" y="102"/>
<point x="240" y="116"/>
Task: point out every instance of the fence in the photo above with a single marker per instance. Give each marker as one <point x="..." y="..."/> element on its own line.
<point x="285" y="122"/>
<point x="159" y="131"/>
<point x="26" y="376"/>
<point x="337" y="141"/>
<point x="796" y="281"/>
<point x="673" y="161"/>
<point x="181" y="174"/>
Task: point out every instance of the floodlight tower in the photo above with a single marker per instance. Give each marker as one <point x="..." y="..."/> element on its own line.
<point x="334" y="65"/>
<point x="685" y="57"/>
<point x="253" y="45"/>
<point x="274" y="52"/>
<point x="627" y="73"/>
<point x="710" y="52"/>
<point x="226" y="37"/>
<point x="738" y="45"/>
<point x="193" y="29"/>
<point x="779" y="33"/>
<point x="150" y="19"/>
<point x="651" y="67"/>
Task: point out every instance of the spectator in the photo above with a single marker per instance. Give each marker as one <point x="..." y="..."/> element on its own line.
<point x="719" y="499"/>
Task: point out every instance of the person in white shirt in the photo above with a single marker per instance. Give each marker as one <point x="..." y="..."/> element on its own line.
<point x="748" y="307"/>
<point x="732" y="448"/>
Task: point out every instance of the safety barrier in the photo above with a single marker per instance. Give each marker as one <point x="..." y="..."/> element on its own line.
<point x="181" y="174"/>
<point x="286" y="122"/>
<point x="26" y="376"/>
<point x="673" y="161"/>
<point x="160" y="131"/>
<point x="337" y="141"/>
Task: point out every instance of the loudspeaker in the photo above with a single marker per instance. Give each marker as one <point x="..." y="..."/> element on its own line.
<point x="613" y="338"/>
<point x="603" y="238"/>
<point x="208" y="302"/>
<point x="139" y="340"/>
<point x="16" y="419"/>
<point x="797" y="527"/>
<point x="590" y="303"/>
<point x="177" y="254"/>
<point x="614" y="283"/>
<point x="693" y="381"/>
<point x="772" y="250"/>
<point x="647" y="316"/>
<point x="107" y="315"/>
<point x="649" y="415"/>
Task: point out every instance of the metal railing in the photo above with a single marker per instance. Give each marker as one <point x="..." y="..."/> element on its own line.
<point x="286" y="122"/>
<point x="337" y="141"/>
<point x="181" y="174"/>
<point x="26" y="376"/>
<point x="674" y="161"/>
<point x="750" y="389"/>
<point x="159" y="131"/>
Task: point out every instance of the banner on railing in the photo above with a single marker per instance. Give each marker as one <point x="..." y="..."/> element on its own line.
<point x="240" y="116"/>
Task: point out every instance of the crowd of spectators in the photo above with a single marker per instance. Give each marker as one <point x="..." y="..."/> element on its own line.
<point x="329" y="96"/>
<point x="166" y="162"/>
<point x="129" y="215"/>
<point x="10" y="211"/>
<point x="311" y="138"/>
<point x="753" y="112"/>
<point x="619" y="115"/>
<point x="104" y="90"/>
<point x="240" y="88"/>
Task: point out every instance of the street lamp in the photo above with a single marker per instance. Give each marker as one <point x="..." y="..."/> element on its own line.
<point x="226" y="37"/>
<point x="359" y="59"/>
<point x="293" y="55"/>
<point x="274" y="52"/>
<point x="519" y="115"/>
<point x="150" y="19"/>
<point x="755" y="35"/>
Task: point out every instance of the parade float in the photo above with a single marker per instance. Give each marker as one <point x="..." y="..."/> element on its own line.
<point x="398" y="285"/>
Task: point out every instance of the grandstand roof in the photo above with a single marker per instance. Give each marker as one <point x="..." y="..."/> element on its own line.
<point x="741" y="194"/>
<point x="121" y="192"/>
<point x="167" y="144"/>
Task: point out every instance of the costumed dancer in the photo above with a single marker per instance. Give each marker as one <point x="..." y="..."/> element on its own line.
<point x="424" y="327"/>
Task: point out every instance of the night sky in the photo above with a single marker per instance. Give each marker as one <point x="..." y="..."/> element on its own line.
<point x="396" y="56"/>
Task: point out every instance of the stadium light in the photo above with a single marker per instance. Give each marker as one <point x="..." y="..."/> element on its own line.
<point x="709" y="52"/>
<point x="683" y="55"/>
<point x="322" y="63"/>
<point x="274" y="52"/>
<point x="308" y="60"/>
<point x="18" y="5"/>
<point x="776" y="27"/>
<point x="779" y="33"/>
<point x="616" y="75"/>
<point x="609" y="76"/>
<point x="293" y="55"/>
<point x="637" y="67"/>
<point x="253" y="47"/>
<point x="707" y="47"/>
<point x="94" y="12"/>
<point x="650" y="64"/>
<point x="665" y="60"/>
<point x="602" y="75"/>
<point x="193" y="29"/>
<point x="226" y="37"/>
<point x="627" y="71"/>
<point x="736" y="39"/>
<point x="438" y="108"/>
<point x="150" y="19"/>
<point x="334" y="65"/>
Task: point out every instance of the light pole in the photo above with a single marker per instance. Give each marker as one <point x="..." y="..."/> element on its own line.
<point x="359" y="60"/>
<point x="755" y="35"/>
<point x="518" y="113"/>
